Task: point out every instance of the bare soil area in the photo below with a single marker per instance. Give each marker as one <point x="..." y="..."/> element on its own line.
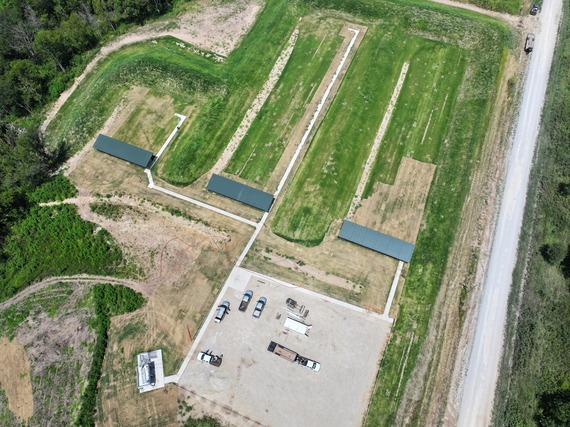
<point x="185" y="263"/>
<point x="15" y="378"/>
<point x="335" y="267"/>
<point x="398" y="209"/>
<point x="57" y="347"/>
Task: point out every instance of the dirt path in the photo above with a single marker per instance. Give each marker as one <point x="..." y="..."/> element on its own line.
<point x="482" y="370"/>
<point x="215" y="26"/>
<point x="79" y="278"/>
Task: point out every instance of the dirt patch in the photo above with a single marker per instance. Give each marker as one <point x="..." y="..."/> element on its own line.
<point x="335" y="267"/>
<point x="169" y="321"/>
<point x="15" y="378"/>
<point x="397" y="210"/>
<point x="57" y="340"/>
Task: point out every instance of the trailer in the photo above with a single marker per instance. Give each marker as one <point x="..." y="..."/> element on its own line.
<point x="284" y="352"/>
<point x="296" y="326"/>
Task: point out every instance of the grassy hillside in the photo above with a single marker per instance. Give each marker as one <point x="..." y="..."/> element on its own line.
<point x="534" y="385"/>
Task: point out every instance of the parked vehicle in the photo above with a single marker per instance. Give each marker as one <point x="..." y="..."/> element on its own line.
<point x="284" y="352"/>
<point x="535" y="9"/>
<point x="529" y="44"/>
<point x="245" y="300"/>
<point x="210" y="358"/>
<point x="259" y="306"/>
<point x="311" y="364"/>
<point x="223" y="309"/>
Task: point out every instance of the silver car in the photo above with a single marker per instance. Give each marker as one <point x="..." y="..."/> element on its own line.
<point x="259" y="306"/>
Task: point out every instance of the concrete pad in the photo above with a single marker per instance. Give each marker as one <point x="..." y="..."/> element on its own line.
<point x="346" y="340"/>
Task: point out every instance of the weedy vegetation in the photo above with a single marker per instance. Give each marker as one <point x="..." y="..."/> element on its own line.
<point x="534" y="384"/>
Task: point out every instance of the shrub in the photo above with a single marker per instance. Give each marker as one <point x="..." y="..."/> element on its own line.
<point x="553" y="253"/>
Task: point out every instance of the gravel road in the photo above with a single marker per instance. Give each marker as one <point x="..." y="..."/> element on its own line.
<point x="483" y="368"/>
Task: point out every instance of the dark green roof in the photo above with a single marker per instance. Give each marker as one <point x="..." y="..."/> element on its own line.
<point x="241" y="192"/>
<point x="376" y="241"/>
<point x="122" y="150"/>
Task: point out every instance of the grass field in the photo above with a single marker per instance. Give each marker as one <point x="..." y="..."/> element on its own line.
<point x="262" y="147"/>
<point x="421" y="118"/>
<point x="244" y="73"/>
<point x="323" y="188"/>
<point x="452" y="80"/>
<point x="161" y="65"/>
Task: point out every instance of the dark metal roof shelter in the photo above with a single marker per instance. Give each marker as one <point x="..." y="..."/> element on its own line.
<point x="122" y="150"/>
<point x="241" y="192"/>
<point x="376" y="241"/>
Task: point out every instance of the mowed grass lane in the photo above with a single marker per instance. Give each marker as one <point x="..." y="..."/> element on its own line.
<point x="421" y="118"/>
<point x="327" y="179"/>
<point x="245" y="72"/>
<point x="271" y="131"/>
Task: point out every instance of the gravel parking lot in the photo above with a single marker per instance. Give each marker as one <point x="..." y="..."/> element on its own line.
<point x="347" y="341"/>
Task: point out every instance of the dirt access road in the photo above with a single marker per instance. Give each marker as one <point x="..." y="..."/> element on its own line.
<point x="478" y="387"/>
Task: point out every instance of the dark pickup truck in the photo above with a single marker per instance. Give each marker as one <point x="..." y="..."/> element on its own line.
<point x="245" y="300"/>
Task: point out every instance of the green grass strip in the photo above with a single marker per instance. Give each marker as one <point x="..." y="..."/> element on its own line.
<point x="271" y="131"/>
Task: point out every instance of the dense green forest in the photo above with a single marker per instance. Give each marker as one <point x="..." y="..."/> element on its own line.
<point x="534" y="387"/>
<point x="44" y="45"/>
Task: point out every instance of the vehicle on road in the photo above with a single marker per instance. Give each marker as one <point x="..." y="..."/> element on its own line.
<point x="311" y="364"/>
<point x="223" y="309"/>
<point x="259" y="306"/>
<point x="212" y="359"/>
<point x="529" y="44"/>
<point x="245" y="300"/>
<point x="284" y="352"/>
<point x="535" y="9"/>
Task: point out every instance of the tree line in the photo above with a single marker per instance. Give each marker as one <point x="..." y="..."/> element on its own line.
<point x="44" y="45"/>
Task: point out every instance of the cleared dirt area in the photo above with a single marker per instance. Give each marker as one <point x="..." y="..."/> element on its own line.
<point x="256" y="386"/>
<point x="57" y="342"/>
<point x="398" y="209"/>
<point x="335" y="267"/>
<point x="184" y="263"/>
<point x="15" y="378"/>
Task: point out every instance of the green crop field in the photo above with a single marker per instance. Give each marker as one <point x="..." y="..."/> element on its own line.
<point x="271" y="131"/>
